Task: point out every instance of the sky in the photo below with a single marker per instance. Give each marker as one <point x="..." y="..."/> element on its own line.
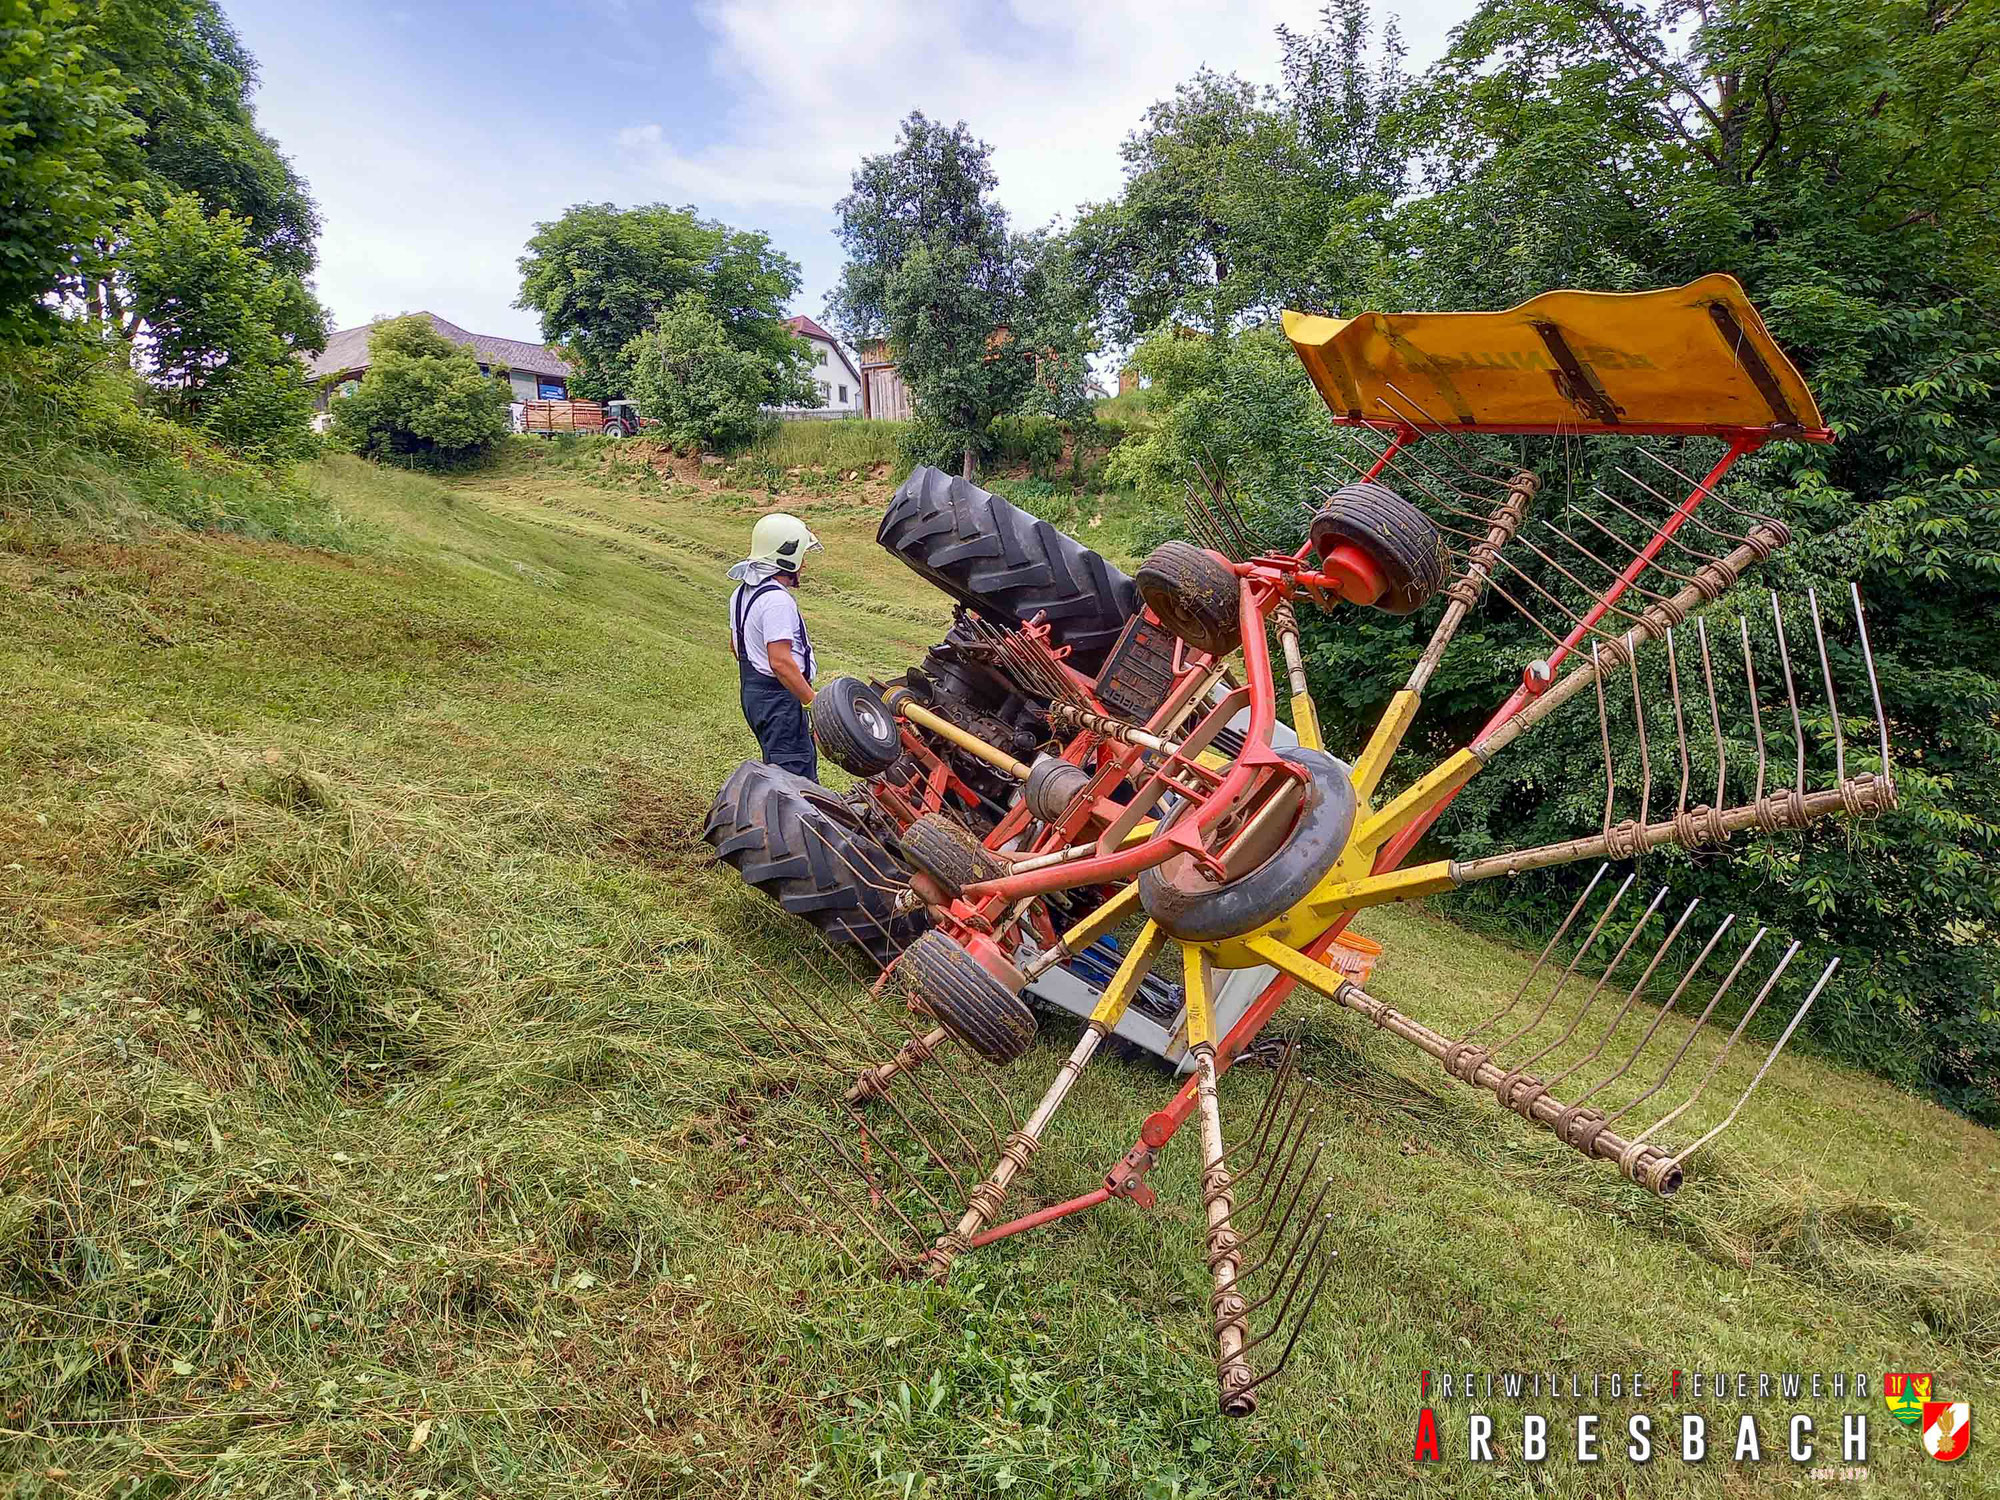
<point x="436" y="135"/>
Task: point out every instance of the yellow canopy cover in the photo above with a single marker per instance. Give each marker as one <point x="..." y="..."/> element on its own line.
<point x="1695" y="358"/>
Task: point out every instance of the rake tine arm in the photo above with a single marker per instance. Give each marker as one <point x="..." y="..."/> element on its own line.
<point x="1776" y="1048"/>
<point x="1584" y="1130"/>
<point x="1874" y="686"/>
<point x="1265" y="1193"/>
<point x="1832" y="704"/>
<point x="1694" y="1027"/>
<point x="1712" y="493"/>
<point x="1671" y="504"/>
<point x="1569" y="969"/>
<point x="1714" y="714"/>
<point x="1604" y="978"/>
<point x="1278" y="1236"/>
<point x="1635" y="586"/>
<point x="897" y="1254"/>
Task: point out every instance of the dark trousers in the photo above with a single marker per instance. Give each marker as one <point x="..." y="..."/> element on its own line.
<point x="779" y="722"/>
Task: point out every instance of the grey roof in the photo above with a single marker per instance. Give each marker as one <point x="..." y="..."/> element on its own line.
<point x="348" y="350"/>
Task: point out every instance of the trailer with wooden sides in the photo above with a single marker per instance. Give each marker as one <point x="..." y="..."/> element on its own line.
<point x="563" y="416"/>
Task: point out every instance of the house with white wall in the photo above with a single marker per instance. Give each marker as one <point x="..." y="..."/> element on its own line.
<point x="535" y="372"/>
<point x="832" y="371"/>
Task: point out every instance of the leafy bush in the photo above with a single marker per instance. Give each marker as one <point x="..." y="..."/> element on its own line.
<point x="703" y="391"/>
<point x="1036" y="441"/>
<point x="423" y="398"/>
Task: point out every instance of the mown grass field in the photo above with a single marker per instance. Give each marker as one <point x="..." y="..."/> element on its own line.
<point x="366" y="1085"/>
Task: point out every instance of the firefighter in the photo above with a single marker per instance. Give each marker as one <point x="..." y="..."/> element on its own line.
<point x="767" y="635"/>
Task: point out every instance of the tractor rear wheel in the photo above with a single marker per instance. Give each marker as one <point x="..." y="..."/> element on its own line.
<point x="970" y="1003"/>
<point x="1404" y="543"/>
<point x="1007" y="565"/>
<point x="813" y="855"/>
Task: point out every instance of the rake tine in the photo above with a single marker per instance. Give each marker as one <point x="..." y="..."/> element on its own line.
<point x="1278" y="1237"/>
<point x="1654" y="562"/>
<point x="1604" y="738"/>
<point x="1547" y="948"/>
<point x="1694" y="1028"/>
<point x="1791" y="696"/>
<point x="1727" y="1047"/>
<point x="1265" y="1193"/>
<point x="1273" y="1099"/>
<point x="1680" y="723"/>
<point x="1715" y="495"/>
<point x="1632" y="996"/>
<point x="1636" y="586"/>
<point x="1645" y="753"/>
<point x="1305" y="1315"/>
<point x="1832" y="706"/>
<point x="1674" y="505"/>
<point x="1714" y="712"/>
<point x="860" y="1170"/>
<point x="1676" y="540"/>
<point x="1570" y="969"/>
<point x="896" y="1254"/>
<point x="1289" y="1285"/>
<point x="1776" y="1048"/>
<point x="1756" y="713"/>
<point x="1458" y="441"/>
<point x="1874" y="687"/>
<point x="1687" y="978"/>
<point x="815" y="1221"/>
<point x="1590" y="1000"/>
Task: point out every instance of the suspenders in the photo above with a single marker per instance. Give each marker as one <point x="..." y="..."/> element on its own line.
<point x="746" y="599"/>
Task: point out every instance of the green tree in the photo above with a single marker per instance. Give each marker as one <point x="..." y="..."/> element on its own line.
<point x="599" y="276"/>
<point x="62" y="118"/>
<point x="423" y="399"/>
<point x="220" y="328"/>
<point x="932" y="267"/>
<point x="699" y="387"/>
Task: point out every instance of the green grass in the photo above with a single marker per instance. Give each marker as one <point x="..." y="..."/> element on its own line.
<point x="851" y="443"/>
<point x="369" y="1110"/>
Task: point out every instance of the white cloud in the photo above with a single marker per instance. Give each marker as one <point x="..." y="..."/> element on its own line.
<point x="1053" y="85"/>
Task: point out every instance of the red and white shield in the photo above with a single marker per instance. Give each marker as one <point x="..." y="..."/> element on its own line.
<point x="1947" y="1429"/>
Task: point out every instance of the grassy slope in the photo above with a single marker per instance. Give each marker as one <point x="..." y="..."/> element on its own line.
<point x="363" y="1083"/>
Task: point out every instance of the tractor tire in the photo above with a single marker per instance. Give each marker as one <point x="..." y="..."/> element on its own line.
<point x="1404" y="542"/>
<point x="983" y="1014"/>
<point x="1195" y="595"/>
<point x="1191" y="908"/>
<point x="950" y="855"/>
<point x="1007" y="565"/>
<point x="853" y="727"/>
<point x="813" y="855"/>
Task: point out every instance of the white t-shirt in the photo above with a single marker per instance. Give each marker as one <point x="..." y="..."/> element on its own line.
<point x="774" y="617"/>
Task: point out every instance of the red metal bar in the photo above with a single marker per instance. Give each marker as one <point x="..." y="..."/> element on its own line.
<point x="1042" y="1216"/>
<point x="1755" y="436"/>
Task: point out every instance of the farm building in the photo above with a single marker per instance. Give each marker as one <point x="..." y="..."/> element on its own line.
<point x="883" y="393"/>
<point x="839" y="382"/>
<point x="535" y="371"/>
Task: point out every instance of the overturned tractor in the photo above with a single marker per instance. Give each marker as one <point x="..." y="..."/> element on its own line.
<point x="1085" y="796"/>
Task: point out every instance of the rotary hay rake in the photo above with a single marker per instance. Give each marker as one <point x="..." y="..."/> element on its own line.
<point x="1204" y="833"/>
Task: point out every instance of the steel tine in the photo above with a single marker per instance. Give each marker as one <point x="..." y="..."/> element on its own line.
<point x="817" y="1221"/>
<point x="1694" y="1028"/>
<point x="1714" y="713"/>
<point x="1654" y="562"/>
<point x="1676" y="540"/>
<point x="1645" y="754"/>
<point x="1832" y="705"/>
<point x="1727" y="1047"/>
<point x="1267" y="1194"/>
<point x="866" y="1221"/>
<point x="1570" y="969"/>
<point x="1636" y="586"/>
<point x="1305" y="1315"/>
<point x="1547" y="948"/>
<point x="1665" y="1009"/>
<point x="1711" y="493"/>
<point x="1733" y="538"/>
<point x="1458" y="439"/>
<point x="1604" y="978"/>
<point x="1277" y="1231"/>
<point x="1874" y="686"/>
<point x="860" y="1170"/>
<point x="1776" y="1048"/>
<point x="1791" y="696"/>
<point x="1680" y="723"/>
<point x="1273" y="1100"/>
<point x="1617" y="1021"/>
<point x="1251" y="1180"/>
<point x="1756" y="713"/>
<point x="1604" y="737"/>
<point x="1288" y="1284"/>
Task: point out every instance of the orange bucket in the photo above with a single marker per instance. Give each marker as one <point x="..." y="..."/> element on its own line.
<point x="1354" y="955"/>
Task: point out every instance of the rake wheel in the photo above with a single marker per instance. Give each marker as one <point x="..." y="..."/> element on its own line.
<point x="967" y="1001"/>
<point x="854" y="728"/>
<point x="1403" y="543"/>
<point x="1194" y="594"/>
<point x="936" y="846"/>
<point x="1196" y="909"/>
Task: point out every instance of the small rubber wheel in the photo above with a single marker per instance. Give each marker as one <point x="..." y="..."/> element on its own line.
<point x="1190" y="906"/>
<point x="854" y="728"/>
<point x="970" y="1003"/>
<point x="1401" y="540"/>
<point x="949" y="854"/>
<point x="1194" y="594"/>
